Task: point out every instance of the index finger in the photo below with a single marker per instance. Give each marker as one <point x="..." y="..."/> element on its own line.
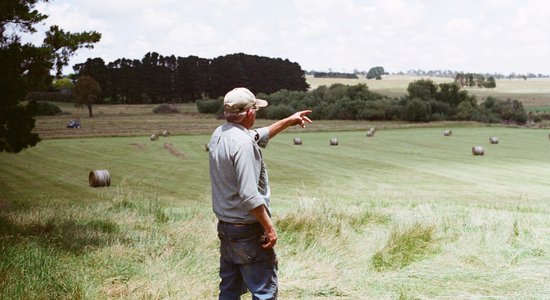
<point x="305" y="112"/>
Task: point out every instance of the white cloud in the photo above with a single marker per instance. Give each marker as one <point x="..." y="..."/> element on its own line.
<point x="477" y="35"/>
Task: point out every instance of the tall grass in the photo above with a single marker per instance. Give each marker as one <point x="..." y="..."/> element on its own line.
<point x="407" y="214"/>
<point x="405" y="247"/>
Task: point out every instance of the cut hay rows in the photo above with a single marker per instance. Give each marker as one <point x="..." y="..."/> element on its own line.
<point x="173" y="150"/>
<point x="139" y="146"/>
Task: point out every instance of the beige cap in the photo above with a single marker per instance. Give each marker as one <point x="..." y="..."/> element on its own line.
<point x="241" y="99"/>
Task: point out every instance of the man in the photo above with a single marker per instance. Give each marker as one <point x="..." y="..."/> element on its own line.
<point x="240" y="197"/>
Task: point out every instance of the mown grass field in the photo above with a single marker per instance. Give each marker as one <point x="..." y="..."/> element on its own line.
<point x="408" y="213"/>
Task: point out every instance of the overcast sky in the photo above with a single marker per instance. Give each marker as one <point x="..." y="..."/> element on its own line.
<point x="482" y="36"/>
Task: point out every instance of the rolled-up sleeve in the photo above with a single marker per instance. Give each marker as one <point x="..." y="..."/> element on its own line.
<point x="262" y="136"/>
<point x="248" y="173"/>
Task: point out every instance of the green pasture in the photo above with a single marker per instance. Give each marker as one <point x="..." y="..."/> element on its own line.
<point x="409" y="214"/>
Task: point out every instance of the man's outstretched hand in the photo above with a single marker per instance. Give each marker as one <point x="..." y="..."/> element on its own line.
<point x="300" y="118"/>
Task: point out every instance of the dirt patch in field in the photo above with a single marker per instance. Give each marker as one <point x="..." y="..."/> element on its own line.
<point x="139" y="146"/>
<point x="170" y="147"/>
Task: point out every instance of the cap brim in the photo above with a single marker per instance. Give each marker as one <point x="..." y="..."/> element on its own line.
<point x="261" y="103"/>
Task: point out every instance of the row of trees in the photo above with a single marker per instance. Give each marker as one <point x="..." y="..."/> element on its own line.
<point x="452" y="74"/>
<point x="373" y="73"/>
<point x="160" y="79"/>
<point x="425" y="101"/>
<point x="334" y="75"/>
<point x="475" y="80"/>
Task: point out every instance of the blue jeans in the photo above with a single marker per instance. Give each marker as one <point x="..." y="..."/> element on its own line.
<point x="244" y="264"/>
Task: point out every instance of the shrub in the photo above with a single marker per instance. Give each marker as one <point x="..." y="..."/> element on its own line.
<point x="279" y="111"/>
<point x="509" y="110"/>
<point x="49" y="96"/>
<point x="47" y="109"/>
<point x="166" y="108"/>
<point x="210" y="106"/>
<point x="417" y="110"/>
<point x="466" y="111"/>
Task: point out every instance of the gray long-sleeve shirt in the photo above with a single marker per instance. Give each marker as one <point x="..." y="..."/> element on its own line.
<point x="237" y="172"/>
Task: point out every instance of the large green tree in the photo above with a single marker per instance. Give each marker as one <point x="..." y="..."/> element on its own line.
<point x="26" y="67"/>
<point x="86" y="92"/>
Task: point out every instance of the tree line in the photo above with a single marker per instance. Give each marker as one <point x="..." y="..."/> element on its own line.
<point x="452" y="74"/>
<point x="170" y="79"/>
<point x="425" y="101"/>
<point x="475" y="80"/>
<point x="335" y="75"/>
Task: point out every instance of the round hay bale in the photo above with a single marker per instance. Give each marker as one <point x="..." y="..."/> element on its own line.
<point x="99" y="178"/>
<point x="370" y="133"/>
<point x="334" y="142"/>
<point x="165" y="133"/>
<point x="297" y="141"/>
<point x="372" y="129"/>
<point x="447" y="132"/>
<point x="477" y="150"/>
<point x="493" y="140"/>
<point x="154" y="137"/>
<point x="206" y="147"/>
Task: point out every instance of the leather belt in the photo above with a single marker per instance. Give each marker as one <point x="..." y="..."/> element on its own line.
<point x="238" y="224"/>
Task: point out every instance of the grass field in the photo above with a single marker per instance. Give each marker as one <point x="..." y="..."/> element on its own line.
<point x="406" y="214"/>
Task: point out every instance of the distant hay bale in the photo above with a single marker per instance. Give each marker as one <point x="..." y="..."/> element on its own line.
<point x="297" y="141"/>
<point x="98" y="178"/>
<point x="372" y="129"/>
<point x="165" y="133"/>
<point x="370" y="133"/>
<point x="493" y="140"/>
<point x="477" y="150"/>
<point x="206" y="147"/>
<point x="447" y="132"/>
<point x="154" y="137"/>
<point x="334" y="142"/>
